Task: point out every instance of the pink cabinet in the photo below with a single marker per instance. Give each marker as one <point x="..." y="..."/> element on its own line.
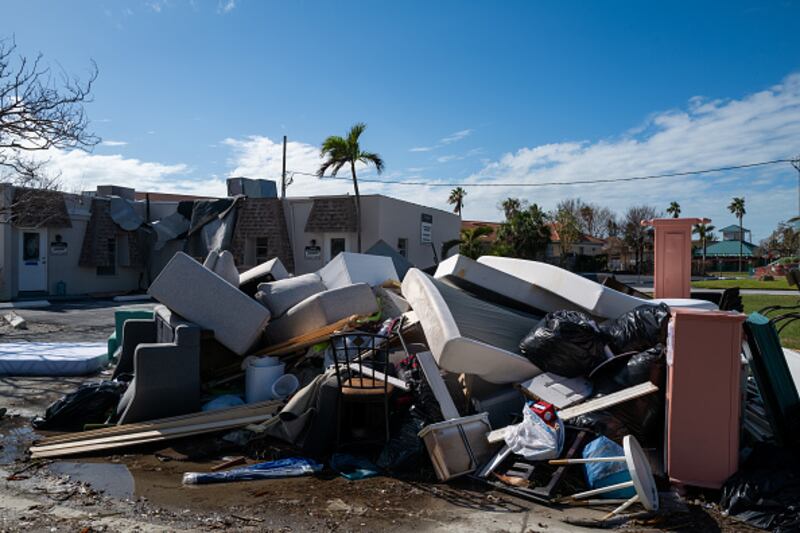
<point x="673" y="255"/>
<point x="703" y="397"/>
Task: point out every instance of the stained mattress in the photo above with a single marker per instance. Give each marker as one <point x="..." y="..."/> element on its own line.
<point x="52" y="358"/>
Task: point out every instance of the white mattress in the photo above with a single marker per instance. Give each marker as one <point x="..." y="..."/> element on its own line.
<point x="455" y="350"/>
<point x="590" y="296"/>
<point x="52" y="358"/>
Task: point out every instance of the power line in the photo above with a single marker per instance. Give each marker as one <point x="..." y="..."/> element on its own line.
<point x="555" y="183"/>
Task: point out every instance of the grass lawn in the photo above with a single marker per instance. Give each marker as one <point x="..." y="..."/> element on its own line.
<point x="790" y="337"/>
<point x="777" y="284"/>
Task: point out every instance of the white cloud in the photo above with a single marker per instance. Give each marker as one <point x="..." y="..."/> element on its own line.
<point x="444" y="141"/>
<point x="455" y="137"/>
<point x="226" y="6"/>
<point x="707" y="134"/>
<point x="114" y="143"/>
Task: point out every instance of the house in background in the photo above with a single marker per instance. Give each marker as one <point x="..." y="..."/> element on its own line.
<point x="723" y="255"/>
<point x="116" y="240"/>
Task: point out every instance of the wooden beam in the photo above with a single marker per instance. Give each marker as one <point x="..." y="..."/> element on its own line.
<point x="307" y="339"/>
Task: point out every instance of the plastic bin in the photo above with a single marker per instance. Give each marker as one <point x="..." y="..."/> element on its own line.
<point x="458" y="446"/>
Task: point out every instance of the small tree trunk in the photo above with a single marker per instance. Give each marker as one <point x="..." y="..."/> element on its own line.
<point x="741" y="237"/>
<point x="358" y="205"/>
<point x="704" y="257"/>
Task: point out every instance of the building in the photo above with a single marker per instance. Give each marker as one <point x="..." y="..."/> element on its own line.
<point x="724" y="255"/>
<point x="116" y="240"/>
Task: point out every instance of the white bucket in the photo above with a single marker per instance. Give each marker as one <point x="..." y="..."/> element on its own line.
<point x="284" y="386"/>
<point x="259" y="380"/>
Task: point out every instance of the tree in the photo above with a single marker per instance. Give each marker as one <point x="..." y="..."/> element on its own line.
<point x="525" y="234"/>
<point x="705" y="235"/>
<point x="784" y="241"/>
<point x="456" y="199"/>
<point x="635" y="235"/>
<point x="511" y="206"/>
<point x="39" y="110"/>
<point x="341" y="151"/>
<point x="471" y="242"/>
<point x="737" y="208"/>
<point x="568" y="226"/>
<point x="674" y="209"/>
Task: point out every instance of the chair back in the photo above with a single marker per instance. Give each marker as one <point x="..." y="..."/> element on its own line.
<point x="357" y="356"/>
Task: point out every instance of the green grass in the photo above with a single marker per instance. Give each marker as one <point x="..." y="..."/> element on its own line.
<point x="790" y="337"/>
<point x="729" y="274"/>
<point x="776" y="284"/>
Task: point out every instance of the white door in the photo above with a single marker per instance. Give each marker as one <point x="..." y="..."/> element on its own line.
<point x="33" y="260"/>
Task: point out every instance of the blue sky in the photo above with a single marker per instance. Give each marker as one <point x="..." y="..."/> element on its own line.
<point x="191" y="92"/>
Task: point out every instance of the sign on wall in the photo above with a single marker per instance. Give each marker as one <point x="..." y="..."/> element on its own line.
<point x="426" y="229"/>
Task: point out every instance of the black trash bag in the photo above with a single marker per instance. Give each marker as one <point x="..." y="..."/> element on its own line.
<point x="424" y="401"/>
<point x="92" y="403"/>
<point x="765" y="492"/>
<point x="627" y="370"/>
<point x="638" y="329"/>
<point x="405" y="451"/>
<point x="567" y="343"/>
<point x="641" y="417"/>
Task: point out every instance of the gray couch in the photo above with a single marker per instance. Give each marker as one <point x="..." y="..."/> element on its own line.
<point x="304" y="303"/>
<point x="163" y="354"/>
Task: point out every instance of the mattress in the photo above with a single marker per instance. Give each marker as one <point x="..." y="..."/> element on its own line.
<point x="590" y="296"/>
<point x="52" y="358"/>
<point x="467" y="335"/>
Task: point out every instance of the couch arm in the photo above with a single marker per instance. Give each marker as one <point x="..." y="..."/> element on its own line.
<point x="135" y="332"/>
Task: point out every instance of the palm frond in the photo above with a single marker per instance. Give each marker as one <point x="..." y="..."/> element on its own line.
<point x="373" y="158"/>
<point x="355" y="132"/>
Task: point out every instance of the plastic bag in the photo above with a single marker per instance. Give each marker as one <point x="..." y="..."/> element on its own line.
<point x="765" y="492"/>
<point x="610" y="473"/>
<point x="353" y="467"/>
<point x="567" y="343"/>
<point x="638" y="329"/>
<point x="91" y="403"/>
<point x="535" y="439"/>
<point x="405" y="451"/>
<point x="291" y="467"/>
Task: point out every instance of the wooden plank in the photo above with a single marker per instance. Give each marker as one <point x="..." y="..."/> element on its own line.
<point x="610" y="400"/>
<point x="310" y="338"/>
<point x="266" y="407"/>
<point x="380" y="376"/>
<point x="434" y="378"/>
<point x="164" y="434"/>
<point x="584" y="408"/>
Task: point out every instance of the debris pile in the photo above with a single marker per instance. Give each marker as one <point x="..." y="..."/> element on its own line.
<point x="517" y="374"/>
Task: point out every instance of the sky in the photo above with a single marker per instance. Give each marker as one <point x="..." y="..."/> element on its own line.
<point x="191" y="92"/>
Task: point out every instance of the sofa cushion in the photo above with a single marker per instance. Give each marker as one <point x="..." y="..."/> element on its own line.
<point x="279" y="296"/>
<point x="203" y="297"/>
<point x="223" y="264"/>
<point x="321" y="310"/>
<point x="271" y="270"/>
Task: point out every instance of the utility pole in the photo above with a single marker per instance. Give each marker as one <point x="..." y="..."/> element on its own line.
<point x="283" y="173"/>
<point x="796" y="165"/>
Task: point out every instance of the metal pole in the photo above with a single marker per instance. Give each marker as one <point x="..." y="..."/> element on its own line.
<point x="283" y="172"/>
<point x="796" y="165"/>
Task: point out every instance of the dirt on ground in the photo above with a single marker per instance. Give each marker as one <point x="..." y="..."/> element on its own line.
<point x="142" y="490"/>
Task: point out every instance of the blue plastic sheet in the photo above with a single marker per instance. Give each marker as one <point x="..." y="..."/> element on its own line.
<point x="291" y="467"/>
<point x="353" y="467"/>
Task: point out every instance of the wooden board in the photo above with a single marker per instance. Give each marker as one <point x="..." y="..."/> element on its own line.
<point x="307" y="339"/>
<point x="267" y="407"/>
<point x="591" y="406"/>
<point x="114" y="441"/>
<point x="380" y="376"/>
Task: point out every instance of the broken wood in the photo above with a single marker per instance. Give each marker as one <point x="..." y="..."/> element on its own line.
<point x="235" y="461"/>
<point x="308" y="339"/>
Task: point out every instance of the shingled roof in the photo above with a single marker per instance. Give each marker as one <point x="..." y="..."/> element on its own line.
<point x="332" y="214"/>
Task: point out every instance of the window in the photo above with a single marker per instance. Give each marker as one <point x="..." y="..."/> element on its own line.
<point x="30" y="246"/>
<point x="337" y="246"/>
<point x="262" y="250"/>
<point x="110" y="270"/>
<point x="402" y="247"/>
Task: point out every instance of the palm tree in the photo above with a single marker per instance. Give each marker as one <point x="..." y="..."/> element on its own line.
<point x="737" y="208"/>
<point x="456" y="199"/>
<point x="511" y="206"/>
<point x="339" y="152"/>
<point x="674" y="209"/>
<point x="471" y="242"/>
<point x="704" y="233"/>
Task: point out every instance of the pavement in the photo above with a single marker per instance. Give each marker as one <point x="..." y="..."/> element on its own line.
<point x="141" y="489"/>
